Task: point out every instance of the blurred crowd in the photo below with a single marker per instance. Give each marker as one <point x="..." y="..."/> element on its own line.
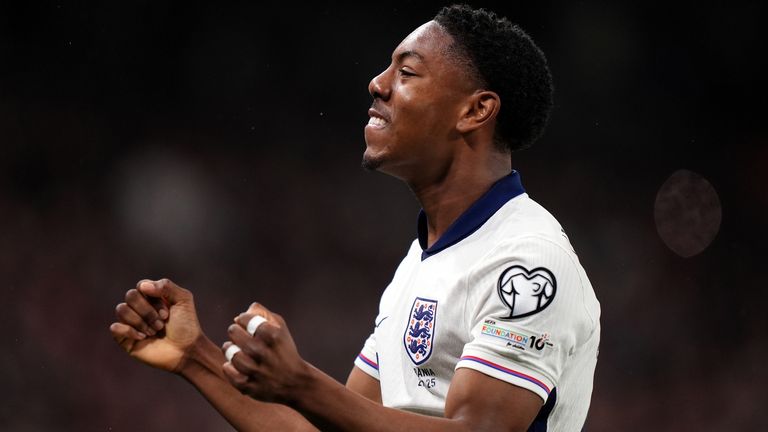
<point x="220" y="146"/>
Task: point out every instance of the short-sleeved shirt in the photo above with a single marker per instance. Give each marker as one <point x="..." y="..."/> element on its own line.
<point x="501" y="292"/>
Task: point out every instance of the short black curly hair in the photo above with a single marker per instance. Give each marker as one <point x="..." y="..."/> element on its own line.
<point x="505" y="60"/>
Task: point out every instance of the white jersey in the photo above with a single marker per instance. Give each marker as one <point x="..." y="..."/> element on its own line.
<point x="501" y="292"/>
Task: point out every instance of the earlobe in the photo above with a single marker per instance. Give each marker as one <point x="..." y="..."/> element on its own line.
<point x="481" y="110"/>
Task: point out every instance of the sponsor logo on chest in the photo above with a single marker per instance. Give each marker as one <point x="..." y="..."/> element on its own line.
<point x="420" y="331"/>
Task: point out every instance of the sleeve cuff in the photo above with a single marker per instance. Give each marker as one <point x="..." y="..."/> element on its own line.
<point x="515" y="374"/>
<point x="368" y="365"/>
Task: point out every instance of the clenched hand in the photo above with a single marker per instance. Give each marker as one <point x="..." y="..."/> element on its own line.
<point x="157" y="324"/>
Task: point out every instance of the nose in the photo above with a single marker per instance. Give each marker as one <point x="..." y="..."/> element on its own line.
<point x="379" y="86"/>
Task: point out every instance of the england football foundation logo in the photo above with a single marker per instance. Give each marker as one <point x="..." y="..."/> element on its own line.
<point x="420" y="331"/>
<point x="526" y="292"/>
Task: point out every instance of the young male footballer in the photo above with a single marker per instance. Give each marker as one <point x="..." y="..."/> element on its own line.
<point x="489" y="324"/>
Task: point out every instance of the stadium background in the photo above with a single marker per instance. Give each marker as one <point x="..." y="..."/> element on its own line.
<point x="219" y="145"/>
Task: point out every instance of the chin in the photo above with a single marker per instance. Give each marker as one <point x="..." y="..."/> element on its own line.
<point x="371" y="163"/>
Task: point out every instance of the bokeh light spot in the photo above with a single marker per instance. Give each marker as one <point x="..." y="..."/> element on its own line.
<point x="687" y="213"/>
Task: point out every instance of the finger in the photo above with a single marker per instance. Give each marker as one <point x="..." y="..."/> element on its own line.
<point x="255" y="309"/>
<point x="251" y="347"/>
<point x="245" y="364"/>
<point x="122" y="331"/>
<point x="166" y="290"/>
<point x="234" y="376"/>
<point x="240" y="360"/>
<point x="230" y="350"/>
<point x="125" y="335"/>
<point x="277" y="320"/>
<point x="160" y="306"/>
<point x="268" y="333"/>
<point x="127" y="315"/>
<point x="250" y="322"/>
<point x="258" y="309"/>
<point x="146" y="311"/>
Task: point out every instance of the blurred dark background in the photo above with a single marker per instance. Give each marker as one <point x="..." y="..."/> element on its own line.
<point x="219" y="145"/>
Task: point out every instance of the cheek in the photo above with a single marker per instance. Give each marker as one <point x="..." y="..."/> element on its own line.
<point x="432" y="101"/>
<point x="420" y="109"/>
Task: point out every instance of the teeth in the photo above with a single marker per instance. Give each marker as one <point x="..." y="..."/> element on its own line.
<point x="377" y="121"/>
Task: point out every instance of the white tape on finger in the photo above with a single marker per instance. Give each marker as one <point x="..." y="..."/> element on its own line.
<point x="231" y="351"/>
<point x="254" y="323"/>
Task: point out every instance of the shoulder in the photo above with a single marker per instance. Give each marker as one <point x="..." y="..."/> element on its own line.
<point x="519" y="224"/>
<point x="528" y="253"/>
<point x="523" y="217"/>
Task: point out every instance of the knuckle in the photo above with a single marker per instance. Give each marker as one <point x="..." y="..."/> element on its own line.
<point x="114" y="328"/>
<point x="242" y="319"/>
<point x="269" y="335"/>
<point x="242" y="365"/>
<point x="251" y="349"/>
<point x="267" y="339"/>
<point x="132" y="295"/>
<point x="124" y="313"/>
<point x="150" y="315"/>
<point x="279" y="318"/>
<point x="120" y="309"/>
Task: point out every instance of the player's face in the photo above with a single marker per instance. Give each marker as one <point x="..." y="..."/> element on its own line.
<point x="416" y="103"/>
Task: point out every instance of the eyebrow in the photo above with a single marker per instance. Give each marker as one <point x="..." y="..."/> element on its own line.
<point x="406" y="54"/>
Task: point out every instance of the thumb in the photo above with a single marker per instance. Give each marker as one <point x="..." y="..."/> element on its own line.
<point x="166" y="290"/>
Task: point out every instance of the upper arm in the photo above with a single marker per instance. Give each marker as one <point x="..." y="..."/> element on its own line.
<point x="364" y="384"/>
<point x="484" y="403"/>
<point x="526" y="315"/>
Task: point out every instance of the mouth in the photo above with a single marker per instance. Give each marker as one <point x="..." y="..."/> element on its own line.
<point x="377" y="120"/>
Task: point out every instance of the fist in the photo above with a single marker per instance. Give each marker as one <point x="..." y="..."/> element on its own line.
<point x="157" y="324"/>
<point x="267" y="366"/>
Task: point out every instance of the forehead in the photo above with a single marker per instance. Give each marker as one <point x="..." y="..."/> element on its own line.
<point x="429" y="41"/>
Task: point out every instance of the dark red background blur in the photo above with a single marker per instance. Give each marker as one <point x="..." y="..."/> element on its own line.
<point x="219" y="145"/>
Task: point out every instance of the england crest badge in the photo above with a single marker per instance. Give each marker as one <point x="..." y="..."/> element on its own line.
<point x="420" y="331"/>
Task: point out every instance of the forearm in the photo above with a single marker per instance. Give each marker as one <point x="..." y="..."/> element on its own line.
<point x="203" y="370"/>
<point x="330" y="406"/>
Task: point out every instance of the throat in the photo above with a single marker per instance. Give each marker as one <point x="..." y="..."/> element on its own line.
<point x="444" y="203"/>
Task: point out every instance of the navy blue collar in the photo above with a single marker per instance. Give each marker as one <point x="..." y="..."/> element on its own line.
<point x="473" y="218"/>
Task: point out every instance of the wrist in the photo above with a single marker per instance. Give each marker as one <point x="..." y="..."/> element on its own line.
<point x="305" y="387"/>
<point x="202" y="356"/>
<point x="322" y="400"/>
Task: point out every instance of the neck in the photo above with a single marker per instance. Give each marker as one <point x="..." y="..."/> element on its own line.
<point x="444" y="199"/>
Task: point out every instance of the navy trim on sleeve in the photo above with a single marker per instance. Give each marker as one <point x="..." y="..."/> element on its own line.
<point x="542" y="418"/>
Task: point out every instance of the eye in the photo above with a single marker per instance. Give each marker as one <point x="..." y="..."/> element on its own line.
<point x="406" y="72"/>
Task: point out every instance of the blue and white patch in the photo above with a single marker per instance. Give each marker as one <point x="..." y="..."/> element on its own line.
<point x="526" y="292"/>
<point x="420" y="331"/>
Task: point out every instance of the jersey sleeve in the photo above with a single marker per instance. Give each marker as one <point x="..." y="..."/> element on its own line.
<point x="368" y="359"/>
<point x="526" y="314"/>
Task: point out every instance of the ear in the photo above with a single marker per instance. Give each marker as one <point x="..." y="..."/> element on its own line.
<point x="481" y="110"/>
